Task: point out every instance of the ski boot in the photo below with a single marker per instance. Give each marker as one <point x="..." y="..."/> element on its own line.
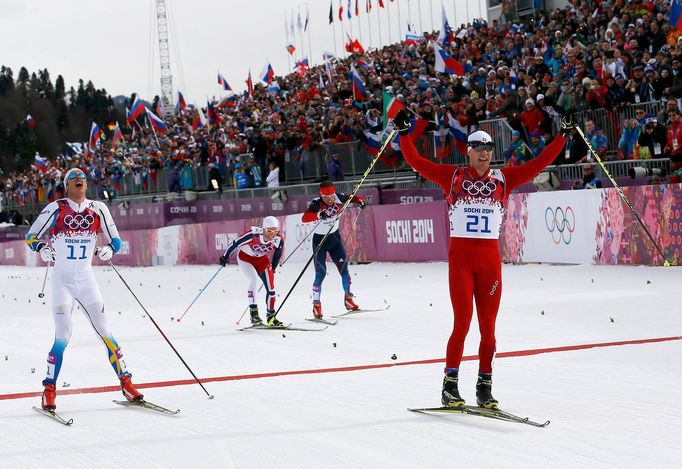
<point x="317" y="309"/>
<point x="450" y="394"/>
<point x="484" y="394"/>
<point x="129" y="390"/>
<point x="272" y="319"/>
<point x="49" y="396"/>
<point x="349" y="303"/>
<point x="255" y="318"/>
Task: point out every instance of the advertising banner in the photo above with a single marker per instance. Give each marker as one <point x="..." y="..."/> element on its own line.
<point x="411" y="233"/>
<point x="561" y="226"/>
<point x="167" y="246"/>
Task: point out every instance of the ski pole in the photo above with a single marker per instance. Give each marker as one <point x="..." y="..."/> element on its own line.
<point x="666" y="263"/>
<point x="299" y="244"/>
<point x="343" y="207"/>
<point x="283" y="262"/>
<point x="210" y="396"/>
<point x="200" y="292"/>
<point x="42" y="290"/>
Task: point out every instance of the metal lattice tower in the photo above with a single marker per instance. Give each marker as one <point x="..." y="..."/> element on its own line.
<point x="164" y="59"/>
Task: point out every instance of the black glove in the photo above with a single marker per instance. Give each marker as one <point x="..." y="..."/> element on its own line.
<point x="323" y="215"/>
<point x="223" y="260"/>
<point x="567" y="125"/>
<point x="402" y="122"/>
<point x="362" y="204"/>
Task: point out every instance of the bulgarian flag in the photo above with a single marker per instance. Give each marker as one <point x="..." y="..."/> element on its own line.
<point x="391" y="107"/>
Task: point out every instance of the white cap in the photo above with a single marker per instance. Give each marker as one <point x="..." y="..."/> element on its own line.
<point x="539" y="97"/>
<point x="530" y="101"/>
<point x="479" y="137"/>
<point x="270" y="222"/>
<point x="69" y="173"/>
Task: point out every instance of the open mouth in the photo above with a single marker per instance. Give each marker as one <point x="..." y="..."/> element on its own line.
<point x="79" y="184"/>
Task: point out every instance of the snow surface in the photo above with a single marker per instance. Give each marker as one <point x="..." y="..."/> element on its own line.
<point x="616" y="406"/>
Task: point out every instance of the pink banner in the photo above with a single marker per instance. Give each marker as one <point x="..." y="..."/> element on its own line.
<point x="620" y="238"/>
<point x="411" y="233"/>
<point x="417" y="233"/>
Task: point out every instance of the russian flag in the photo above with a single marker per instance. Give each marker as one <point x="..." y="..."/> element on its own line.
<point x="445" y="63"/>
<point x="182" y="104"/>
<point x="136" y="110"/>
<point x="366" y="65"/>
<point x="213" y="117"/>
<point x="372" y="142"/>
<point x="358" y="85"/>
<point x="156" y="121"/>
<point x="459" y="133"/>
<point x="391" y="107"/>
<point x="30" y="121"/>
<point x="291" y="49"/>
<point x="228" y="101"/>
<point x="222" y="81"/>
<point x="267" y="74"/>
<point x="675" y="14"/>
<point x="446" y="36"/>
<point x="412" y="39"/>
<point x="95" y="135"/>
<point x="199" y="119"/>
<point x="118" y="136"/>
<point x="41" y="164"/>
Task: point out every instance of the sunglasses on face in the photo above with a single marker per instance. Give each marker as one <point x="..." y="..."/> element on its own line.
<point x="77" y="175"/>
<point x="482" y="147"/>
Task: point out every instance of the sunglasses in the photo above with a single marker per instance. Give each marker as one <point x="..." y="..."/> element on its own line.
<point x="481" y="146"/>
<point x="77" y="175"/>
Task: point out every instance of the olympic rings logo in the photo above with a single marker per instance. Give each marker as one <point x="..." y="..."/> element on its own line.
<point x="79" y="221"/>
<point x="482" y="188"/>
<point x="560" y="223"/>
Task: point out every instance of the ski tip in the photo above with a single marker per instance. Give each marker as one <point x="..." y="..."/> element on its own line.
<point x="211" y="396"/>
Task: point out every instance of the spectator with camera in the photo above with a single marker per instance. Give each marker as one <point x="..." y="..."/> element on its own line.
<point x="652" y="140"/>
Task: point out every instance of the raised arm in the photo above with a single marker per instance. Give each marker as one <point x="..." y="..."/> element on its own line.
<point x="441" y="174"/>
<point x="518" y="175"/>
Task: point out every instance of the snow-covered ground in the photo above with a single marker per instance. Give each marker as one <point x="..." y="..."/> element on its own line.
<point x="611" y="406"/>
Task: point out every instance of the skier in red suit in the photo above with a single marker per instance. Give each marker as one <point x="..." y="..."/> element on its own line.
<point x="476" y="197"/>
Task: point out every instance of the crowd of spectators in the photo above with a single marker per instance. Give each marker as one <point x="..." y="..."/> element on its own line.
<point x="604" y="55"/>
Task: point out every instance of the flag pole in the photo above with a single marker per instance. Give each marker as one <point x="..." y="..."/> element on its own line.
<point x="286" y="39"/>
<point x="153" y="130"/>
<point x="359" y="22"/>
<point x="409" y="16"/>
<point x="369" y="24"/>
<point x="431" y="6"/>
<point x="310" y="47"/>
<point x="419" y="8"/>
<point x="400" y="22"/>
<point x="379" y="25"/>
<point x="388" y="12"/>
<point x="333" y="28"/>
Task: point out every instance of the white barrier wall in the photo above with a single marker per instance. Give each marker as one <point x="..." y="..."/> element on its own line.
<point x="562" y="226"/>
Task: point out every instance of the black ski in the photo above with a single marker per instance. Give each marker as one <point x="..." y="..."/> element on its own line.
<point x="482" y="412"/>
<point x="147" y="405"/>
<point x="285" y="327"/>
<point x="54" y="416"/>
<point x="322" y="321"/>
<point x="359" y="311"/>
